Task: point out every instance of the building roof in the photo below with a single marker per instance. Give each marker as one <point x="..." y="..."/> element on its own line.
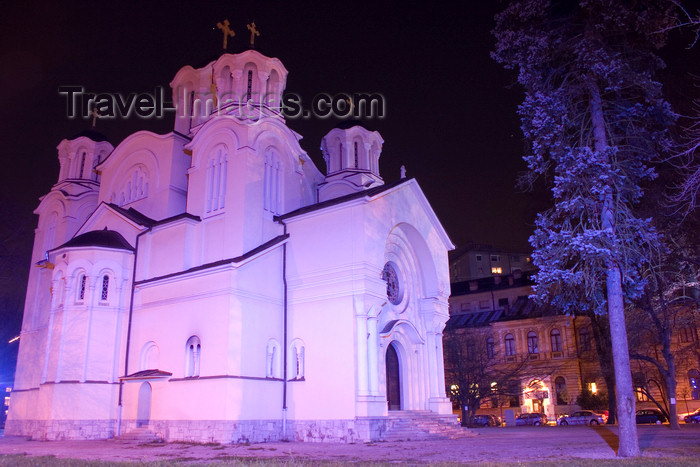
<point x="133" y="215"/>
<point x="342" y="199"/>
<point x="522" y="308"/>
<point x="100" y="238"/>
<point x="492" y="283"/>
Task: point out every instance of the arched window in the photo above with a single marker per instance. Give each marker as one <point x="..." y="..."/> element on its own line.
<point x="510" y="344"/>
<point x="584" y="339"/>
<point x="490" y="346"/>
<point x="297" y="361"/>
<point x="193" y="349"/>
<point x="104" y="294"/>
<point x="555" y="338"/>
<point x="216" y="181"/>
<point x="532" y="342"/>
<point x="272" y="365"/>
<point x="82" y="286"/>
<point x="471" y="349"/>
<point x="694" y="383"/>
<point x="249" y="91"/>
<point x="560" y="389"/>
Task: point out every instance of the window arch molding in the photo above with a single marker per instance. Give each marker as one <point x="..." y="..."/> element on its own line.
<point x="509" y="341"/>
<point x="532" y="343"/>
<point x="273" y="359"/>
<point x="150" y="356"/>
<point x="297" y="360"/>
<point x="193" y="352"/>
<point x="555" y="340"/>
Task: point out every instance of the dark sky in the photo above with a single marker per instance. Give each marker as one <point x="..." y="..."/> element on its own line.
<point x="450" y="109"/>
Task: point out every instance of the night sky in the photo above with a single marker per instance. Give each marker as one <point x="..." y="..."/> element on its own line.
<point x="450" y="109"/>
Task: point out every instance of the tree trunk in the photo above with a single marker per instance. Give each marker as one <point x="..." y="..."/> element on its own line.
<point x="626" y="407"/>
<point x="671" y="385"/>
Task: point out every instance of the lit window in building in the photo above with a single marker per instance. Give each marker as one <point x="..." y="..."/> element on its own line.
<point x="497" y="270"/>
<point x="510" y="344"/>
<point x="640" y="387"/>
<point x="532" y="342"/>
<point x="687" y="335"/>
<point x="555" y="337"/>
<point x="593" y="388"/>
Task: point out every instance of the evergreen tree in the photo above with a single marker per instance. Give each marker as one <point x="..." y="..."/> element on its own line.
<point x="595" y="119"/>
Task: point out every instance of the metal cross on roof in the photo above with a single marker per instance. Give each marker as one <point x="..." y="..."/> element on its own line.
<point x="253" y="32"/>
<point x="228" y="32"/>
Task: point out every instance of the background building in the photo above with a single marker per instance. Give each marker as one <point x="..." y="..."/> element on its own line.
<point x="475" y="261"/>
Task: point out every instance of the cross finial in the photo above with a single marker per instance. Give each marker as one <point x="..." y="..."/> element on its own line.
<point x="95" y="115"/>
<point x="228" y="32"/>
<point x="253" y="32"/>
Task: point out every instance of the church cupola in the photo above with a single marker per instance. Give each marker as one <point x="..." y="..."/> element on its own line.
<point x="79" y="155"/>
<point x="351" y="153"/>
<point x="248" y="85"/>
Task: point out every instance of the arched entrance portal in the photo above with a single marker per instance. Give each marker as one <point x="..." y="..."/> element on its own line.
<point x="143" y="412"/>
<point x="393" y="379"/>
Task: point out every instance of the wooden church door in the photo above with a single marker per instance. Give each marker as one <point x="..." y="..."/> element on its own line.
<point x="393" y="384"/>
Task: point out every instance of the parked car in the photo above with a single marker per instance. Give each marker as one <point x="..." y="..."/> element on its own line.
<point x="582" y="417"/>
<point x="483" y="420"/>
<point x="534" y="419"/>
<point x="692" y="417"/>
<point x="496" y="420"/>
<point x="650" y="416"/>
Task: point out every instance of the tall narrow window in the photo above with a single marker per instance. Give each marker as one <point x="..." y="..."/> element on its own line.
<point x="297" y="361"/>
<point x="272" y="366"/>
<point x="584" y="338"/>
<point x="82" y="165"/>
<point x="82" y="283"/>
<point x="216" y="181"/>
<point x="641" y="390"/>
<point x="555" y="338"/>
<point x="249" y="92"/>
<point x="560" y="389"/>
<point x="686" y="335"/>
<point x="193" y="350"/>
<point x="532" y="342"/>
<point x="510" y="344"/>
<point x="490" y="348"/>
<point x="357" y="157"/>
<point x="105" y="288"/>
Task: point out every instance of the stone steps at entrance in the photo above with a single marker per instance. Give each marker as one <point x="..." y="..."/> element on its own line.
<point x="405" y="425"/>
<point x="142" y="435"/>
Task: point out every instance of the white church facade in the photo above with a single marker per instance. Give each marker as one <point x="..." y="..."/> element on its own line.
<point x="211" y="284"/>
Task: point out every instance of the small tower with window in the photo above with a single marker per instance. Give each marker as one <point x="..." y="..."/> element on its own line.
<point x="351" y="153"/>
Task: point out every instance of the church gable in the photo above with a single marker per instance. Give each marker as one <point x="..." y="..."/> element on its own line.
<point x="128" y="222"/>
<point x="146" y="172"/>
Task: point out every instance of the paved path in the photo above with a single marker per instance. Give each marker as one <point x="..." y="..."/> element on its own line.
<point x="491" y="444"/>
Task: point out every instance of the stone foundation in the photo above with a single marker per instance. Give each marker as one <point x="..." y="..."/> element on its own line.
<point x="51" y="430"/>
<point x="208" y="431"/>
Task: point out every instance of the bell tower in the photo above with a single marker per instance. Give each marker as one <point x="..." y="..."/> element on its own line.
<point x="351" y="153"/>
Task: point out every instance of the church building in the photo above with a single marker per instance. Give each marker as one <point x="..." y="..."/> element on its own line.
<point x="212" y="285"/>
